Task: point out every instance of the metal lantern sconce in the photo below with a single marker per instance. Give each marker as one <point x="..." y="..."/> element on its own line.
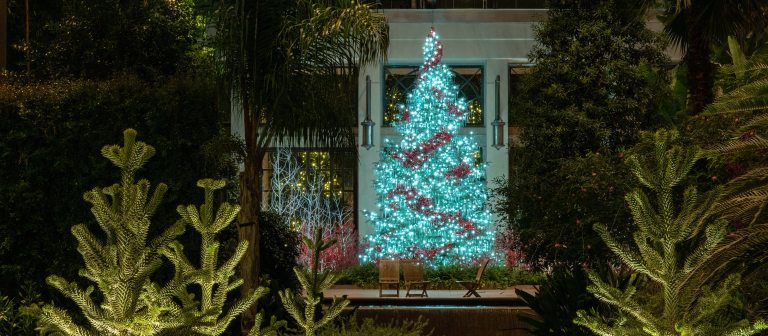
<point x="498" y="124"/>
<point x="367" y="123"/>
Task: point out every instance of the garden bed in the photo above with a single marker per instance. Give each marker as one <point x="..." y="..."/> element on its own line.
<point x="366" y="276"/>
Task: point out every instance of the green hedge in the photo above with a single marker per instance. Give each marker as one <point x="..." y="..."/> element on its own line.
<point x="367" y="276"/>
<point x="50" y="140"/>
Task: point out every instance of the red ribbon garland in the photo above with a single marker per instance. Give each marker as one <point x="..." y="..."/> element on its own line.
<point x="415" y="158"/>
<point x="458" y="172"/>
<point x="422" y="205"/>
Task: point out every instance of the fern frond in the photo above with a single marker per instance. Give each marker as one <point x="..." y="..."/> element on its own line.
<point x="755" y="122"/>
<point x="749" y="67"/>
<point x="740" y="144"/>
<point x="749" y="97"/>
<point x="745" y="207"/>
<point x="739" y="251"/>
<point x="746" y="180"/>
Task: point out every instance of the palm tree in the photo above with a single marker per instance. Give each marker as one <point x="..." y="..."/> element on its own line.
<point x="292" y="66"/>
<point x="694" y="25"/>
<point x="746" y="196"/>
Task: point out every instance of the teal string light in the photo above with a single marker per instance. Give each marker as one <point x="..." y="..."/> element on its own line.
<point x="431" y="193"/>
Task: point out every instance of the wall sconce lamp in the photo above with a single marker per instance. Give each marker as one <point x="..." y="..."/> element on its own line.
<point x="498" y="124"/>
<point x="367" y="123"/>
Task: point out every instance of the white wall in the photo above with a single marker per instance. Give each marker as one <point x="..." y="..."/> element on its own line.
<point x="492" y="39"/>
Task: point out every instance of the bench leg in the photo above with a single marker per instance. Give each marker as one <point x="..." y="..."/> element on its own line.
<point x="472" y="292"/>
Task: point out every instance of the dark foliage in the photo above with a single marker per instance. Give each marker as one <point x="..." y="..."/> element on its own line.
<point x="15" y="316"/>
<point x="699" y="26"/>
<point x="280" y="247"/>
<point x="562" y="294"/>
<point x="599" y="79"/>
<point x="41" y="12"/>
<point x="50" y="138"/>
<point x="354" y="326"/>
<point x="96" y="38"/>
<point x="279" y="254"/>
<point x="557" y="301"/>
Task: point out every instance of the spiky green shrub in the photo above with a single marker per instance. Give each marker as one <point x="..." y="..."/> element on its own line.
<point x="676" y="233"/>
<point x="213" y="279"/>
<point x="124" y="299"/>
<point x="18" y="315"/>
<point x="306" y="312"/>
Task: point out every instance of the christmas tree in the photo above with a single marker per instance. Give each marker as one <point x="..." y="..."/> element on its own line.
<point x="432" y="193"/>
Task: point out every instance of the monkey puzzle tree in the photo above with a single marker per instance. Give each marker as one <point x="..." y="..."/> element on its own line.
<point x="128" y="301"/>
<point x="677" y="233"/>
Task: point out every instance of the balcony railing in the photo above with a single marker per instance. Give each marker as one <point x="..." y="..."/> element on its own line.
<point x="454" y="4"/>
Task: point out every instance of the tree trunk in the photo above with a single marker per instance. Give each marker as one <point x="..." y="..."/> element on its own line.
<point x="3" y="34"/>
<point x="27" y="44"/>
<point x="701" y="78"/>
<point x="248" y="229"/>
<point x="250" y="203"/>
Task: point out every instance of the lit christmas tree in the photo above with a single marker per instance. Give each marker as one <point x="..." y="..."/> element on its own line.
<point x="432" y="194"/>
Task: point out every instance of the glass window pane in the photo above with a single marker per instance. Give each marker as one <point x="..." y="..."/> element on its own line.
<point x="442" y="4"/>
<point x="399" y="80"/>
<point x="335" y="170"/>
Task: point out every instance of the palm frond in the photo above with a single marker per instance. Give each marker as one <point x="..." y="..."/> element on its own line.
<point x="744" y="207"/>
<point x="325" y="44"/>
<point x="739" y="252"/>
<point x="749" y="97"/>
